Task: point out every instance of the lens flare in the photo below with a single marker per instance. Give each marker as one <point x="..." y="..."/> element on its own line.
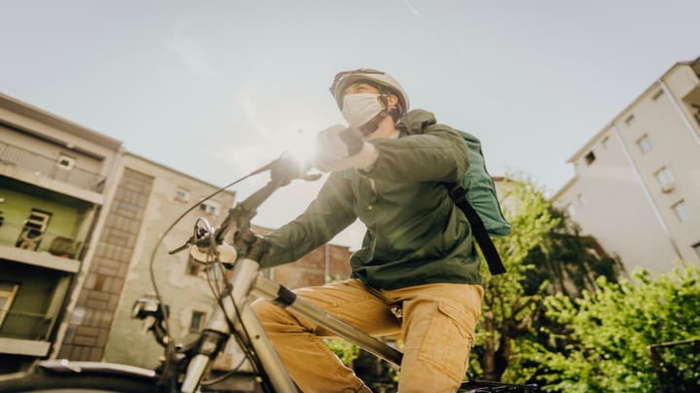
<point x="301" y="149"/>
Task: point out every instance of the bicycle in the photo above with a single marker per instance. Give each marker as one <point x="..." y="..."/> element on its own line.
<point x="187" y="368"/>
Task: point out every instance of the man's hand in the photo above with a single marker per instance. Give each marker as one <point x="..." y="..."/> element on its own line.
<point x="338" y="148"/>
<point x="285" y="169"/>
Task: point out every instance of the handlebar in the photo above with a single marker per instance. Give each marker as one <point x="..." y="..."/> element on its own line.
<point x="282" y="171"/>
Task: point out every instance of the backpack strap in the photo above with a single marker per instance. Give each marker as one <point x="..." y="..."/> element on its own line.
<point x="457" y="193"/>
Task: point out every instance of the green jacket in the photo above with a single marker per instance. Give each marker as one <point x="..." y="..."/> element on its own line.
<point x="415" y="234"/>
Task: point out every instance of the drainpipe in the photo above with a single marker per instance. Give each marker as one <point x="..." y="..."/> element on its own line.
<point x="681" y="113"/>
<point x="654" y="208"/>
<point x="327" y="256"/>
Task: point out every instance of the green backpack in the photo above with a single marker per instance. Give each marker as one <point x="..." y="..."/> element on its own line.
<point x="476" y="197"/>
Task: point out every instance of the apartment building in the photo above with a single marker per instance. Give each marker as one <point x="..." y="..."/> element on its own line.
<point x="79" y="220"/>
<point x="182" y="281"/>
<point x="54" y="181"/>
<point x="148" y="198"/>
<point x="330" y="262"/>
<point x="637" y="182"/>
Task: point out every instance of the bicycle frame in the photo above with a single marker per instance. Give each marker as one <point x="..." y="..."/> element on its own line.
<point x="246" y="283"/>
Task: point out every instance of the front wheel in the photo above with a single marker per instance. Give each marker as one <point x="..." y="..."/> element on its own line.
<point x="92" y="381"/>
<point x="46" y="381"/>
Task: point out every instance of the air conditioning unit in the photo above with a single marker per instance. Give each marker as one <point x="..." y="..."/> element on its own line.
<point x="668" y="187"/>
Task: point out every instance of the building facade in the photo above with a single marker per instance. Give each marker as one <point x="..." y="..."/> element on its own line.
<point x="637" y="182"/>
<point x="79" y="220"/>
<point x="54" y="177"/>
<point x="149" y="198"/>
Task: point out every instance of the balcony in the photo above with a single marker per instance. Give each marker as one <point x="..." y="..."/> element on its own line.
<point x="50" y="250"/>
<point x="24" y="325"/>
<point x="57" y="244"/>
<point x="31" y="298"/>
<point x="51" y="168"/>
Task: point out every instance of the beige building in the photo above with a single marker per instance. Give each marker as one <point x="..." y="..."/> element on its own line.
<point x="54" y="181"/>
<point x="79" y="219"/>
<point x="637" y="182"/>
<point x="149" y="198"/>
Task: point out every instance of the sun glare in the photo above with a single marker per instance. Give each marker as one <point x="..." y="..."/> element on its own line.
<point x="301" y="147"/>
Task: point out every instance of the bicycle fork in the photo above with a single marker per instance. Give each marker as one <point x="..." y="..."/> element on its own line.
<point x="237" y="303"/>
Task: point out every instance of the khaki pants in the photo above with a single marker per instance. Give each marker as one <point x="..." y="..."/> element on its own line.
<point x="437" y="331"/>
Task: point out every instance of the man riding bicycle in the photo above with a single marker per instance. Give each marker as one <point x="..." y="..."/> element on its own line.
<point x="388" y="170"/>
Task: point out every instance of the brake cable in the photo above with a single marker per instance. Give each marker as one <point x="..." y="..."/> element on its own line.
<point x="166" y="314"/>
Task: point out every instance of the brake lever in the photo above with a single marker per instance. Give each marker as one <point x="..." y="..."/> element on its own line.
<point x="202" y="234"/>
<point x="182" y="247"/>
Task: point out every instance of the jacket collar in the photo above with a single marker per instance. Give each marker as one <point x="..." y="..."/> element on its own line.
<point x="415" y="121"/>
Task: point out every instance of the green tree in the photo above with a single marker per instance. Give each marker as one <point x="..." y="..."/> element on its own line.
<point x="568" y="261"/>
<point x="544" y="255"/>
<point x="609" y="332"/>
<point x="507" y="310"/>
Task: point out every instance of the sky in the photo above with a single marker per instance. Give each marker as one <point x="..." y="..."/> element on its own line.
<point x="216" y="89"/>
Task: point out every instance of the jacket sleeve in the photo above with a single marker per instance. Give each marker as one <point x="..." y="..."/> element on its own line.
<point x="331" y="212"/>
<point x="439" y="155"/>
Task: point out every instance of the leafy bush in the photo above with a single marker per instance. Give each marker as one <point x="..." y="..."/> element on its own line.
<point x="605" y="344"/>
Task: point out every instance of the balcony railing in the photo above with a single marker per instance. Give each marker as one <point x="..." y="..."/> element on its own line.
<point x="57" y="244"/>
<point x="48" y="166"/>
<point x="26" y="325"/>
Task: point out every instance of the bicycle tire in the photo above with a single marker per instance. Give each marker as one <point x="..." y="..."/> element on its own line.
<point x="84" y="383"/>
<point x="47" y="381"/>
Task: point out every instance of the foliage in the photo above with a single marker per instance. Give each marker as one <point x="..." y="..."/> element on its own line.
<point x="346" y="351"/>
<point x="544" y="255"/>
<point x="609" y="332"/>
<point x="568" y="261"/>
<point x="507" y="310"/>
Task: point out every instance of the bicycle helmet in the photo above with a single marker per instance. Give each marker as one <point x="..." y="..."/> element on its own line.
<point x="381" y="80"/>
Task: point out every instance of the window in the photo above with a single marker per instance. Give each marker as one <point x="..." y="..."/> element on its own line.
<point x="696" y="112"/>
<point x="211" y="207"/>
<point x="696" y="247"/>
<point x="657" y="95"/>
<point x="630" y="120"/>
<point x="182" y="195"/>
<point x="33" y="231"/>
<point x="8" y="291"/>
<point x="665" y="178"/>
<point x="65" y="162"/>
<point x="590" y="157"/>
<point x="644" y="144"/>
<point x="682" y="210"/>
<point x="606" y="142"/>
<point x="197" y="321"/>
<point x="571" y="210"/>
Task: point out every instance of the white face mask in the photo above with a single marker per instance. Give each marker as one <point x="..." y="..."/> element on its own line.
<point x="358" y="109"/>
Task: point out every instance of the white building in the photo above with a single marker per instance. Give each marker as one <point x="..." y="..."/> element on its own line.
<point x="637" y="182"/>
